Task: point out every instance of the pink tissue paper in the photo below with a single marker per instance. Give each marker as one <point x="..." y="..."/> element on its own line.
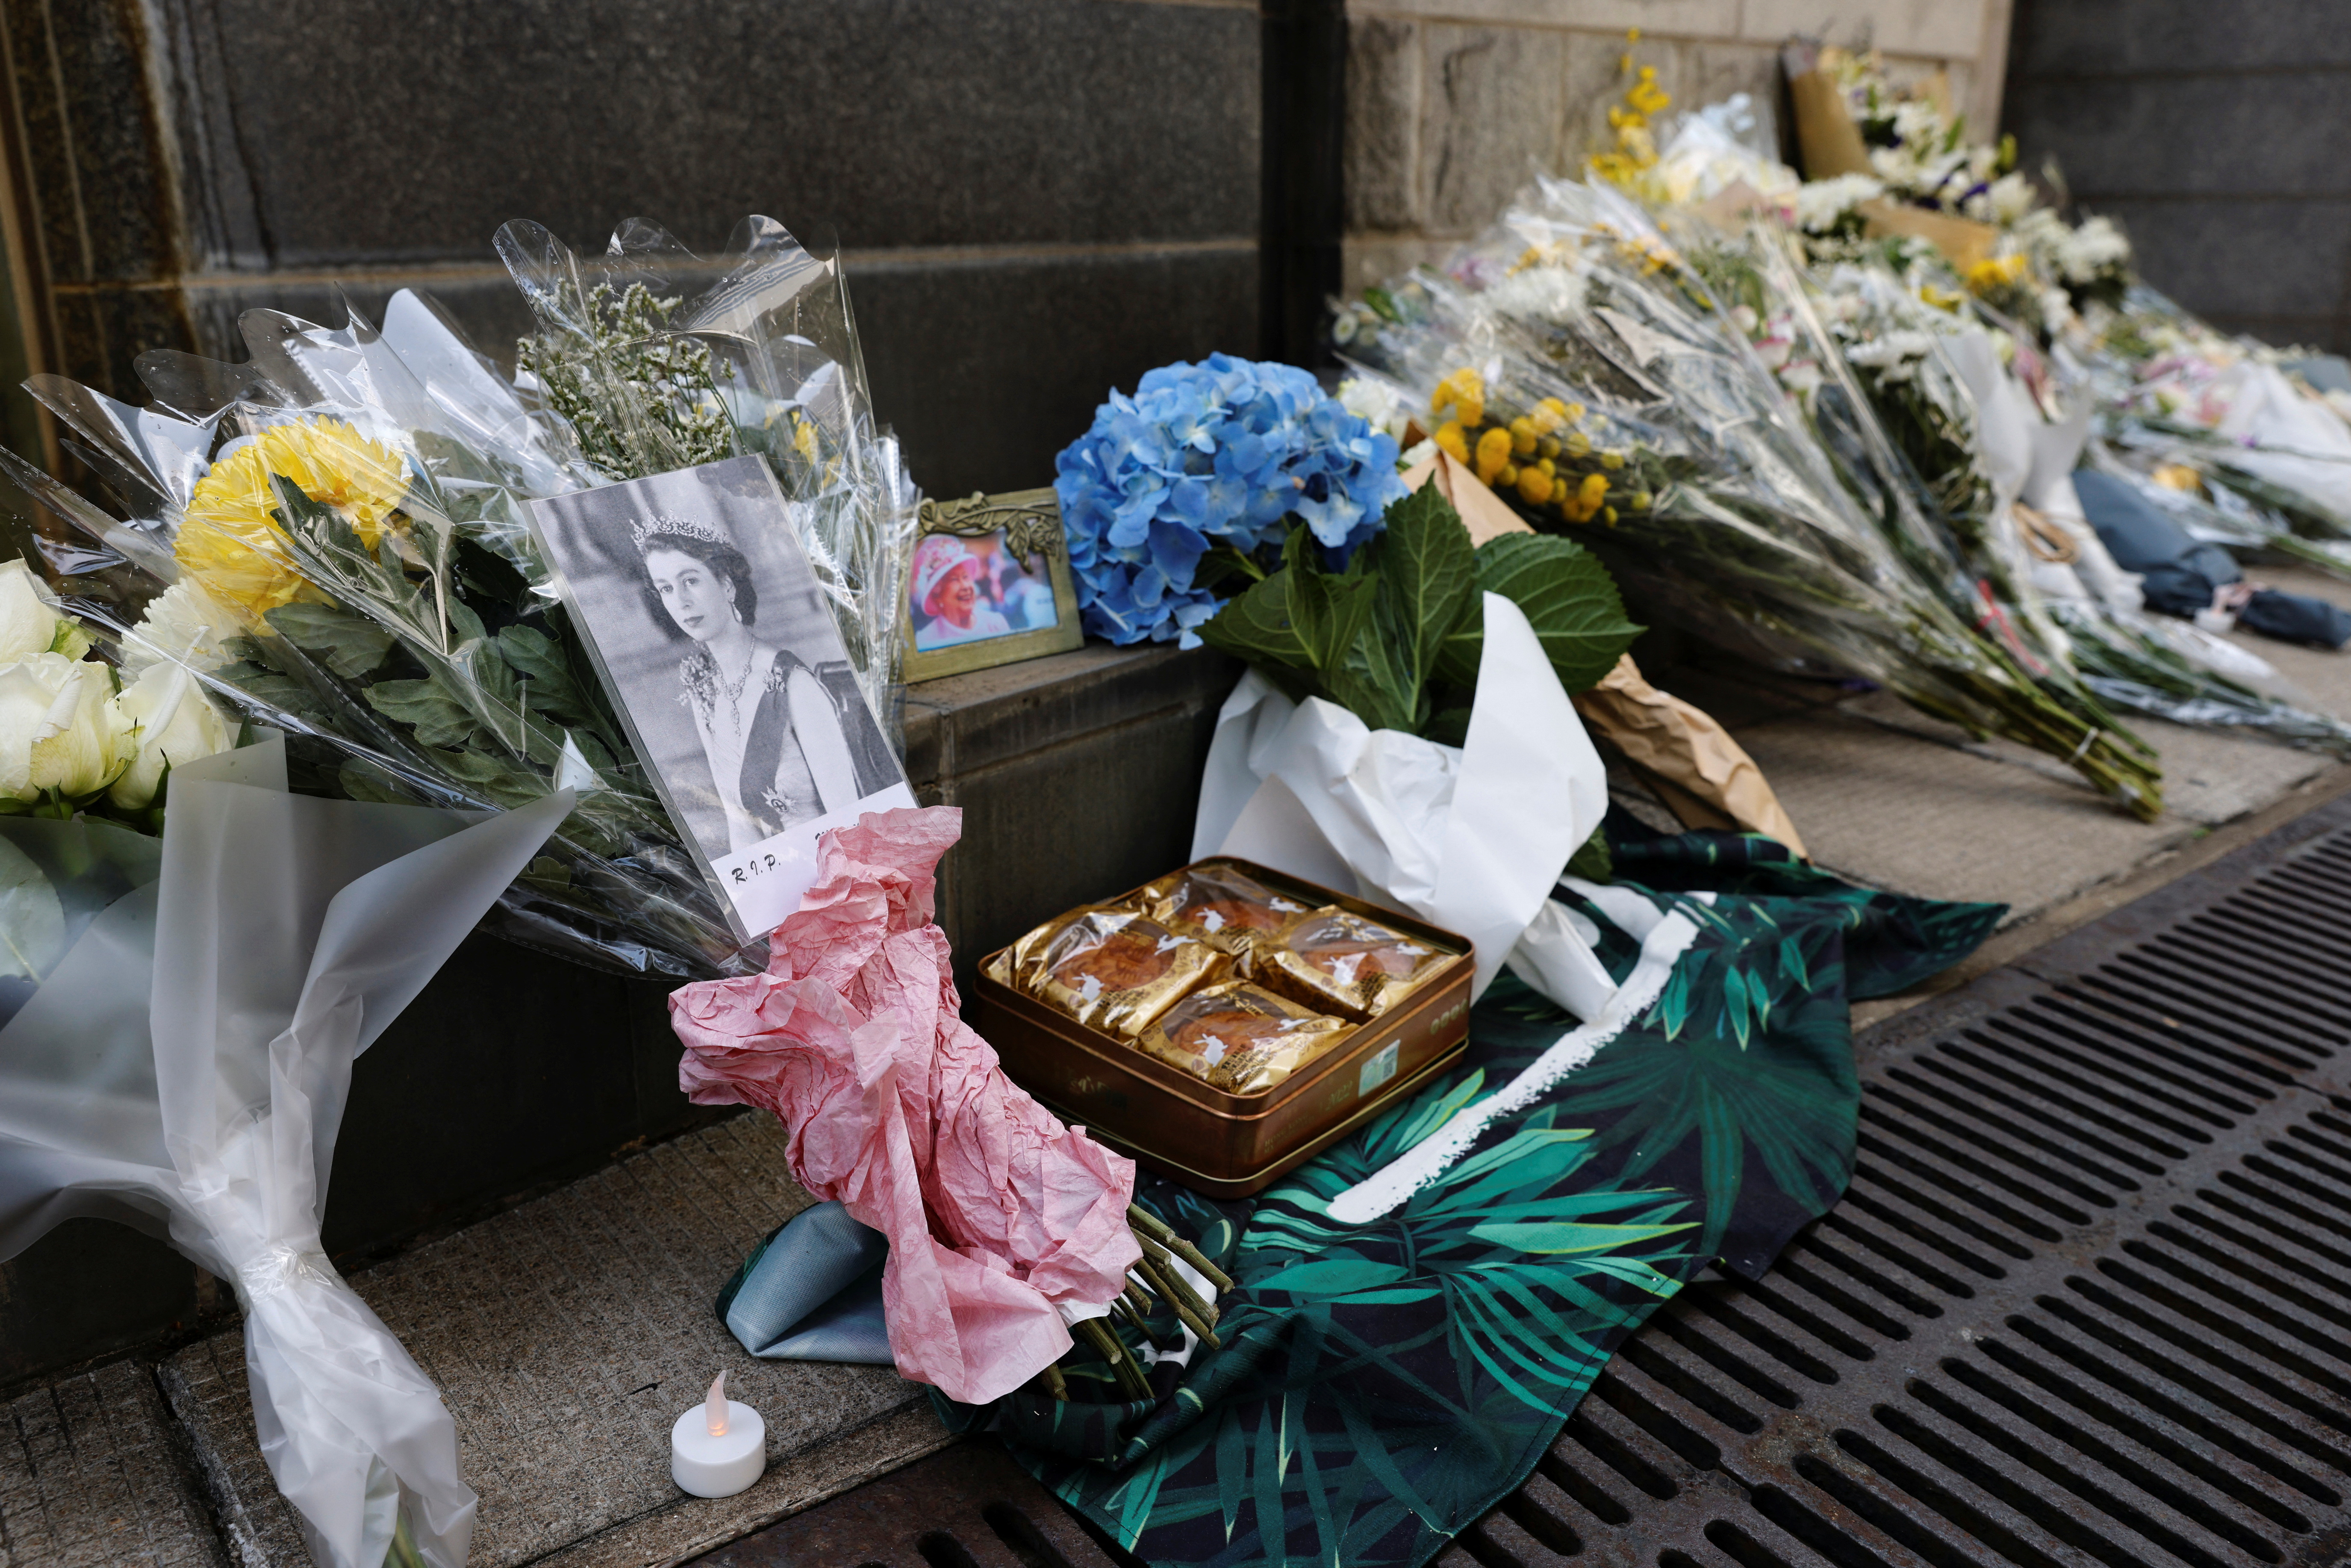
<point x="998" y="1217"/>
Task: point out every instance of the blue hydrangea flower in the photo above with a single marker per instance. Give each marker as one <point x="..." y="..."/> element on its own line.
<point x="1222" y="453"/>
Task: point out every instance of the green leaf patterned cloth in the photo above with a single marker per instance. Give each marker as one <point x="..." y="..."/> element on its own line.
<point x="1381" y="1387"/>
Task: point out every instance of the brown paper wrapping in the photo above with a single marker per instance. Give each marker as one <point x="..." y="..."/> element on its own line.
<point x="1707" y="779"/>
<point x="1826" y="138"/>
<point x="1830" y="144"/>
<point x="1963" y="241"/>
<point x="1483" y="513"/>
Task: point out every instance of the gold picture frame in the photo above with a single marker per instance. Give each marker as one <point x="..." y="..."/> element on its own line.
<point x="1022" y="527"/>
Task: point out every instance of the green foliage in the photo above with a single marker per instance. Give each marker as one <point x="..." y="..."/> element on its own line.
<point x="1387" y="637"/>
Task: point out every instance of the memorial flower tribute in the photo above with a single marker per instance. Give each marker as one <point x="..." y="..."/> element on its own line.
<point x="1189" y="483"/>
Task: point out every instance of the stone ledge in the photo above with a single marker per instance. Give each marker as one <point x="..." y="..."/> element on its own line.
<point x="91" y="1471"/>
<point x="565" y="1336"/>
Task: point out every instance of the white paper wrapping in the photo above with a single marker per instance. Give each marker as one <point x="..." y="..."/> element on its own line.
<point x="185" y="1068"/>
<point x="1472" y="838"/>
<point x="2283" y="437"/>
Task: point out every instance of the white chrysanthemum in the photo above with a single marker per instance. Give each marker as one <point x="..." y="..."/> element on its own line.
<point x="1917" y="124"/>
<point x="184" y="624"/>
<point x="2092" y="251"/>
<point x="2011" y="198"/>
<point x="1539" y="293"/>
<point x="1820" y="203"/>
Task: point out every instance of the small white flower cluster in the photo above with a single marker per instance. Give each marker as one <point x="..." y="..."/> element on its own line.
<point x="1821" y="204"/>
<point x="1894" y="356"/>
<point x="1545" y="293"/>
<point x="2005" y="203"/>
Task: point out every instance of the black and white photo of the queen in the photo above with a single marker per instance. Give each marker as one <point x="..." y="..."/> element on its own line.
<point x="693" y="593"/>
<point x="776" y="746"/>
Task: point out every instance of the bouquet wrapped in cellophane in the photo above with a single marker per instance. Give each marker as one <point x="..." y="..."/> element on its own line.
<point x="1585" y="372"/>
<point x="1864" y="352"/>
<point x="332" y="537"/>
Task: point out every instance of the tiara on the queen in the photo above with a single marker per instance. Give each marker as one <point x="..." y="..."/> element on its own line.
<point x="681" y="527"/>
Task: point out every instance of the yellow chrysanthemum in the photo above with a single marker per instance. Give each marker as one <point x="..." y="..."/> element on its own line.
<point x="1995" y="272"/>
<point x="231" y="544"/>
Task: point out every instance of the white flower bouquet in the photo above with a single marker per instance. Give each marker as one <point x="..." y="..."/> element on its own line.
<point x="331" y="541"/>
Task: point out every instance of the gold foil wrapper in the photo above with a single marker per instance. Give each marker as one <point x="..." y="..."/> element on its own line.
<point x="1240" y="1038"/>
<point x="1343" y="964"/>
<point x="1112" y="969"/>
<point x="1222" y="906"/>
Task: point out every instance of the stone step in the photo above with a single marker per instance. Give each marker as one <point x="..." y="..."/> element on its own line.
<point x="93" y="1470"/>
<point x="566" y="1335"/>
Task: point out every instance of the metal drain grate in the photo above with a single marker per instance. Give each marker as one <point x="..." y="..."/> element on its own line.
<point x="2086" y="1305"/>
<point x="2088" y="1301"/>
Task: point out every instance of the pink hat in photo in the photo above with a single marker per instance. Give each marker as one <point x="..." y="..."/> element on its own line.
<point x="937" y="559"/>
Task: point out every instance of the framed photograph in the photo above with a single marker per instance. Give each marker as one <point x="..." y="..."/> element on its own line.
<point x="692" y="596"/>
<point x="990" y="584"/>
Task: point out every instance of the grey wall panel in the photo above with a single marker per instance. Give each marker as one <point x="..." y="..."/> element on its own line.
<point x="2214" y="135"/>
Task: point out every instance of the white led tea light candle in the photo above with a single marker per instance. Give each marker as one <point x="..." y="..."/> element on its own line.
<point x="719" y="1447"/>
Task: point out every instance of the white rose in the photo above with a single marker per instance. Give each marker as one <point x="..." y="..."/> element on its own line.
<point x="29" y="622"/>
<point x="58" y="730"/>
<point x="169" y="721"/>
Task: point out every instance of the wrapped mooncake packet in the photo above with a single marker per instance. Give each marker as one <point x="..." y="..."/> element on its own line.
<point x="1220" y="904"/>
<point x="1241" y="1038"/>
<point x="1112" y="970"/>
<point x="1343" y="962"/>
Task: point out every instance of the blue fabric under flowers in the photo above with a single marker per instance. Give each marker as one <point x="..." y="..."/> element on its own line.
<point x="1217" y="453"/>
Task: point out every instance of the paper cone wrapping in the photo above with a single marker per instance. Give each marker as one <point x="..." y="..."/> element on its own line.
<point x="1685" y="750"/>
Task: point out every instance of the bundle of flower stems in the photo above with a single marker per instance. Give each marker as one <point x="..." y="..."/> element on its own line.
<point x="1162" y="1251"/>
<point x="1580" y="365"/>
<point x="1949" y="526"/>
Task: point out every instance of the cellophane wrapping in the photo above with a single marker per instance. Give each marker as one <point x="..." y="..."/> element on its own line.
<point x="1872" y="367"/>
<point x="334" y="536"/>
<point x="1727" y="512"/>
<point x="178" y="1057"/>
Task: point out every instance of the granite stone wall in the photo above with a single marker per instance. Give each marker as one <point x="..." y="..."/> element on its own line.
<point x="1039" y="199"/>
<point x="1453" y="105"/>
<point x="2215" y="136"/>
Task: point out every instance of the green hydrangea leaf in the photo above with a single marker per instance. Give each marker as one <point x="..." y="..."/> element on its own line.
<point x="1427" y="574"/>
<point x="1255" y="625"/>
<point x="1568" y="598"/>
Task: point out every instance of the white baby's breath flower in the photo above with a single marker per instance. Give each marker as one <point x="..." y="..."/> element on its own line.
<point x="2092" y="251"/>
<point x="2011" y="198"/>
<point x="1892" y="354"/>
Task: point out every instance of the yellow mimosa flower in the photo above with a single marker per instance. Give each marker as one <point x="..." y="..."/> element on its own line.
<point x="1493" y="454"/>
<point x="230" y="543"/>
